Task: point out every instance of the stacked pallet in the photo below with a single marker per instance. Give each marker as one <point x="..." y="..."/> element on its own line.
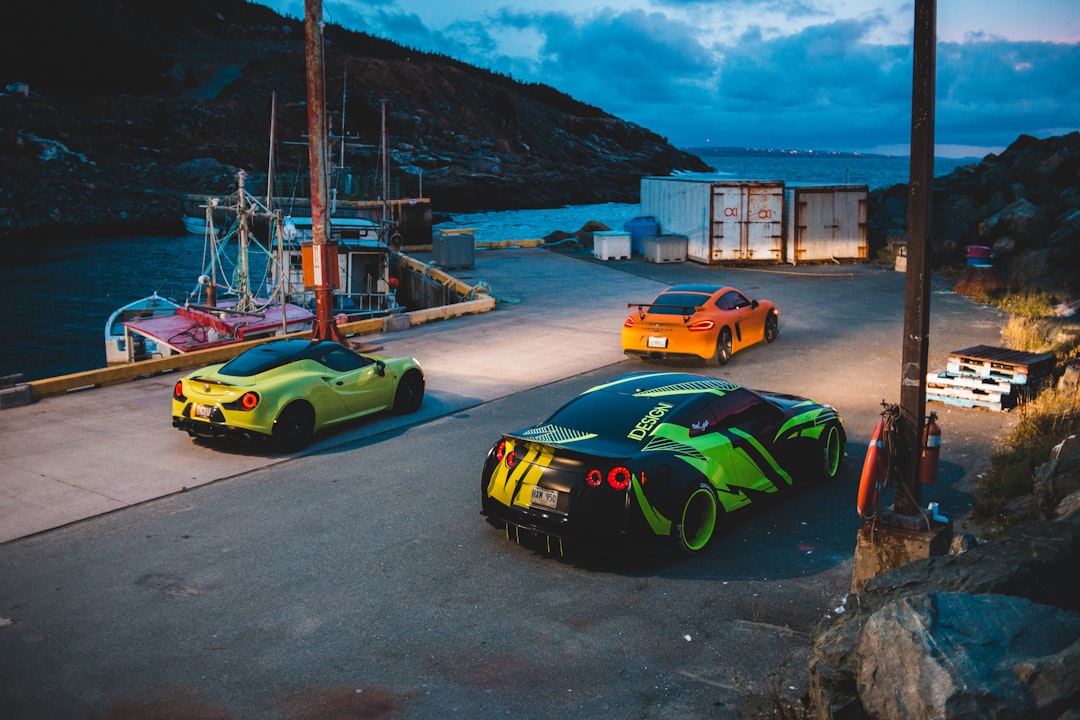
<point x="991" y="377"/>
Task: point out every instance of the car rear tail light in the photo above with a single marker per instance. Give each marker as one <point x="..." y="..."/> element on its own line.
<point x="701" y="325"/>
<point x="511" y="459"/>
<point x="178" y="390"/>
<point x="500" y="450"/>
<point x="249" y="400"/>
<point x="628" y="322"/>
<point x="619" y="478"/>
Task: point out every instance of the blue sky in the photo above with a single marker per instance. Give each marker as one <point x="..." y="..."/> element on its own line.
<point x="795" y="74"/>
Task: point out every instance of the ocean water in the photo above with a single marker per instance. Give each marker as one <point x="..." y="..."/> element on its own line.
<point x="57" y="297"/>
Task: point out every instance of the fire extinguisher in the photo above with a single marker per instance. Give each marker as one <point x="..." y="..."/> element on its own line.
<point x="931" y="451"/>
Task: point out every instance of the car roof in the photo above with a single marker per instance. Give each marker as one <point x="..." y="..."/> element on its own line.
<point x="274" y="354"/>
<point x="611" y="419"/>
<point x="697" y="288"/>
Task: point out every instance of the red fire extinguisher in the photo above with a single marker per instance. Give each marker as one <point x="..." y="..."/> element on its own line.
<point x="931" y="451"/>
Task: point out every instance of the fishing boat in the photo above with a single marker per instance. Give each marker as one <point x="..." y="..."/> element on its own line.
<point x="118" y="345"/>
<point x="239" y="297"/>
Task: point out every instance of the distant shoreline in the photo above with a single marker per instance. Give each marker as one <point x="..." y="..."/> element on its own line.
<point x="717" y="151"/>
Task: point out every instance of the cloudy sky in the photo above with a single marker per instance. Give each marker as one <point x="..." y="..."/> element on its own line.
<point x="794" y="74"/>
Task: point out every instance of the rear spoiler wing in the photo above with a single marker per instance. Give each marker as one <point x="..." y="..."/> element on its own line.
<point x="686" y="312"/>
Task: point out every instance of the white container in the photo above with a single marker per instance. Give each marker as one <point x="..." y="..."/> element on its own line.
<point x="664" y="248"/>
<point x="825" y="222"/>
<point x="723" y="220"/>
<point x="611" y="245"/>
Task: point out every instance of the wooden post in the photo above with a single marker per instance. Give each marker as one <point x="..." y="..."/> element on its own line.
<point x="323" y="270"/>
<point x="908" y="499"/>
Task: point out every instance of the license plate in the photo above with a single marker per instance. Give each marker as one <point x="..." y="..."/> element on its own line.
<point x="657" y="342"/>
<point x="543" y="497"/>
<point x="204" y="411"/>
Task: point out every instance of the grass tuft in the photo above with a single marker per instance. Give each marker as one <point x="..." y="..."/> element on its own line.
<point x="1045" y="420"/>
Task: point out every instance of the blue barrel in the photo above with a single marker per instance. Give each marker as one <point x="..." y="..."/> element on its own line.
<point x="639" y="228"/>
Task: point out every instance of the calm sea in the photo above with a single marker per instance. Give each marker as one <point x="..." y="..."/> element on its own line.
<point x="55" y="304"/>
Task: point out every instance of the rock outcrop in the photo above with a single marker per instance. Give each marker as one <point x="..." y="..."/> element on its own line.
<point x="116" y="115"/>
<point x="1024" y="204"/>
<point x="993" y="632"/>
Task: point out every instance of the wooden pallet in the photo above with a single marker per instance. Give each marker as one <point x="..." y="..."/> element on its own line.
<point x="966" y="402"/>
<point x="970" y="391"/>
<point x="1013" y="366"/>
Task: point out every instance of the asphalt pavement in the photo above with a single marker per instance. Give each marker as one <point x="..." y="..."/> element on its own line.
<point x="68" y="458"/>
<point x="358" y="579"/>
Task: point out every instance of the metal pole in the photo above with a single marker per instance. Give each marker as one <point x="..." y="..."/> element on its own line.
<point x="908" y="499"/>
<point x="323" y="272"/>
<point x="270" y="160"/>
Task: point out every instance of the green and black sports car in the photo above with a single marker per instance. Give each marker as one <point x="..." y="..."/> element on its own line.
<point x="655" y="455"/>
<point x="288" y="390"/>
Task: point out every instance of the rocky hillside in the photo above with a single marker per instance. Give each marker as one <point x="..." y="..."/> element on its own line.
<point x="1024" y="204"/>
<point x="115" y="108"/>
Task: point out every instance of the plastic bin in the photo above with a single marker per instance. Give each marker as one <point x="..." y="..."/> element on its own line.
<point x="980" y="256"/>
<point x="611" y="245"/>
<point x="665" y="248"/>
<point x="454" y="248"/>
<point x="640" y="228"/>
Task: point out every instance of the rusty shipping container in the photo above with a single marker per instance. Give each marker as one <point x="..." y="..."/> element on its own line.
<point x="825" y="222"/>
<point x="724" y="220"/>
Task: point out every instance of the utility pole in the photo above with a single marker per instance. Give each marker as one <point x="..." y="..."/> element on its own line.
<point x="905" y="534"/>
<point x="323" y="260"/>
<point x="908" y="493"/>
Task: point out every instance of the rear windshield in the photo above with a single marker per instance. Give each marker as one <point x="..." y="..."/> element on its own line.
<point x="616" y="418"/>
<point x="677" y="303"/>
<point x="262" y="358"/>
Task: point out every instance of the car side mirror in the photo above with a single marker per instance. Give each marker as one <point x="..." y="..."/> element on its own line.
<point x="754" y="303"/>
<point x="380" y="368"/>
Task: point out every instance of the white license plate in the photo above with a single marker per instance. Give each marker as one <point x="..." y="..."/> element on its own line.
<point x="542" y="497"/>
<point x="204" y="411"/>
<point x="657" y="342"/>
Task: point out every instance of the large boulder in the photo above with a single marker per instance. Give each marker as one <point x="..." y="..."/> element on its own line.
<point x="1020" y="218"/>
<point x="956" y="655"/>
<point x="1035" y="562"/>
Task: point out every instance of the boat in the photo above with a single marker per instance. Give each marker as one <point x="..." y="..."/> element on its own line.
<point x="118" y="345"/>
<point x="199" y="327"/>
<point x="194" y="225"/>
<point x="363" y="286"/>
<point x="239" y="297"/>
<point x="364" y="234"/>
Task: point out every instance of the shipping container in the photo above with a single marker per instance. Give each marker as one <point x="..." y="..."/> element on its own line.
<point x="723" y="220"/>
<point x="825" y="222"/>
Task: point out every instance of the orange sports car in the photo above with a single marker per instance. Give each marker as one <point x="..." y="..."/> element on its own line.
<point x="706" y="321"/>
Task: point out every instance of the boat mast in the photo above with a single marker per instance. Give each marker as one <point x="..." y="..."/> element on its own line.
<point x="385" y="159"/>
<point x="243" y="290"/>
<point x="270" y="161"/>
<point x="324" y="328"/>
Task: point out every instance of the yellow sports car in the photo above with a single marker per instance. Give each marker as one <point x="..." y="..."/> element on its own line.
<point x="288" y="390"/>
<point x="705" y="321"/>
